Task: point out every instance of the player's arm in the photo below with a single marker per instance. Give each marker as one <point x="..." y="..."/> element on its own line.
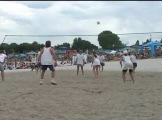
<point x="40" y="55"/>
<point x="76" y="59"/>
<point x="131" y="59"/>
<point x="83" y="60"/>
<point x="53" y="54"/>
<point x="121" y="59"/>
<point x="92" y="60"/>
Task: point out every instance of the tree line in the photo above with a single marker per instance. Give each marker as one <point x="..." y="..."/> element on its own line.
<point x="106" y="39"/>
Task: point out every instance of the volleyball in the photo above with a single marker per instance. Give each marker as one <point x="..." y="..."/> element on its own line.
<point x="98" y="22"/>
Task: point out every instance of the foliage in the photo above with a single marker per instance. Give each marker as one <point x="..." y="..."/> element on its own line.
<point x="147" y="41"/>
<point x="62" y="45"/>
<point x="137" y="43"/>
<point x="79" y="44"/>
<point x="21" y="48"/>
<point x="109" y="40"/>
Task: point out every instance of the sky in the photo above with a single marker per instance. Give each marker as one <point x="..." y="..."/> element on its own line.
<point x="79" y="18"/>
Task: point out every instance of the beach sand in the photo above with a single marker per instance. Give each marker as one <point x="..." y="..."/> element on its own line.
<point x="82" y="97"/>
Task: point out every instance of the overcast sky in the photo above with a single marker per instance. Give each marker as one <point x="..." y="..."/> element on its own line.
<point x="79" y="17"/>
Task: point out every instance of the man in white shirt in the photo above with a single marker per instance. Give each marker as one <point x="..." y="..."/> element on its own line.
<point x="80" y="62"/>
<point x="2" y="59"/>
<point x="46" y="58"/>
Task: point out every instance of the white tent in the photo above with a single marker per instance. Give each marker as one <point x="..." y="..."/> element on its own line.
<point x="113" y="52"/>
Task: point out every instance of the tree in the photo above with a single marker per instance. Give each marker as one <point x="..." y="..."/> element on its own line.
<point x="14" y="47"/>
<point x="79" y="44"/>
<point x="24" y="47"/>
<point x="137" y="43"/>
<point x="34" y="46"/>
<point x="66" y="45"/>
<point x="62" y="45"/>
<point x="147" y="41"/>
<point x="109" y="40"/>
<point x="4" y="46"/>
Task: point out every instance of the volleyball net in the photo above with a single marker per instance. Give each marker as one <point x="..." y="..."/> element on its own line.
<point x="126" y="38"/>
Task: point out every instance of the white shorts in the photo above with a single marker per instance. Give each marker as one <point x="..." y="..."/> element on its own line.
<point x="128" y="66"/>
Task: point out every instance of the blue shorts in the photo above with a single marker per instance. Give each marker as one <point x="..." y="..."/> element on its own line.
<point x="44" y="67"/>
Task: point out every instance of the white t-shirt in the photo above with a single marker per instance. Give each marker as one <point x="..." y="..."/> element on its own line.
<point x="80" y="59"/>
<point x="102" y="58"/>
<point x="96" y="61"/>
<point x="133" y="58"/>
<point x="2" y="57"/>
<point x="127" y="63"/>
<point x="46" y="58"/>
<point x="127" y="59"/>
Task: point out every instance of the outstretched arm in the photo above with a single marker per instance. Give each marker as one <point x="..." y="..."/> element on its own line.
<point x="40" y="55"/>
<point x="121" y="59"/>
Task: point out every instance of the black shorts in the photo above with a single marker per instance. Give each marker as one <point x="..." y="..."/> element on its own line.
<point x="134" y="65"/>
<point x="44" y="67"/>
<point x="130" y="70"/>
<point x="102" y="64"/>
<point x="79" y="65"/>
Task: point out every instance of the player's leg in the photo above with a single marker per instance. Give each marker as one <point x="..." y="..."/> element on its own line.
<point x="2" y="75"/>
<point x="44" y="68"/>
<point x="2" y="71"/>
<point x="131" y="74"/>
<point x="97" y="68"/>
<point x="102" y="66"/>
<point x="124" y="75"/>
<point x="94" y="70"/>
<point x="134" y="67"/>
<point x="52" y="69"/>
<point x="82" y="70"/>
<point x="78" y="69"/>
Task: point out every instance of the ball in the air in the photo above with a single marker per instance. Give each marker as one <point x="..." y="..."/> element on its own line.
<point x="98" y="22"/>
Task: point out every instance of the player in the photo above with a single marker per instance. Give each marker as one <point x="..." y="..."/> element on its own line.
<point x="46" y="57"/>
<point x="127" y="65"/>
<point x="2" y="59"/>
<point x="80" y="62"/>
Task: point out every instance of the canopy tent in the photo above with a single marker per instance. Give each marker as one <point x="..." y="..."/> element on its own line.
<point x="113" y="52"/>
<point x="127" y="48"/>
<point x="152" y="45"/>
<point x="22" y="55"/>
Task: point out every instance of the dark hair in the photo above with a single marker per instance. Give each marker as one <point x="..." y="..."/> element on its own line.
<point x="94" y="53"/>
<point x="40" y="49"/>
<point x="2" y="51"/>
<point x="48" y="44"/>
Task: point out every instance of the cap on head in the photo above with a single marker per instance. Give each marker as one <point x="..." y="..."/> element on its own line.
<point x="125" y="52"/>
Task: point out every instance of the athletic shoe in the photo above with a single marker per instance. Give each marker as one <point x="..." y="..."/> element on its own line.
<point x="41" y="82"/>
<point x="53" y="82"/>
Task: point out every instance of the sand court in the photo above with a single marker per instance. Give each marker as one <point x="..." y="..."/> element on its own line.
<point x="82" y="97"/>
